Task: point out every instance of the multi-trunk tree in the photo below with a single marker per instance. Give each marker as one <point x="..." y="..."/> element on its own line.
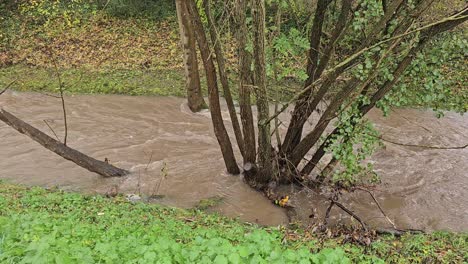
<point x="359" y="53"/>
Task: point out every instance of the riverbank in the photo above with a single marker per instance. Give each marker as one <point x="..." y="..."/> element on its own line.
<point x="45" y="225"/>
<point x="132" y="48"/>
<point x="105" y="54"/>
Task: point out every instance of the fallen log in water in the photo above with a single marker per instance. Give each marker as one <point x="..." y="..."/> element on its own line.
<point x="100" y="167"/>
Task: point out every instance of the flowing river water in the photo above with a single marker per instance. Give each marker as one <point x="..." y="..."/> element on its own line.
<point x="421" y="188"/>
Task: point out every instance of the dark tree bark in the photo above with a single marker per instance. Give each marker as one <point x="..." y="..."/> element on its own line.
<point x="302" y="147"/>
<point x="340" y="28"/>
<point x="245" y="84"/>
<point x="213" y="92"/>
<point x="192" y="76"/>
<point x="303" y="105"/>
<point x="223" y="77"/>
<point x="264" y="137"/>
<point x="310" y="139"/>
<point x="304" y="108"/>
<point x="100" y="167"/>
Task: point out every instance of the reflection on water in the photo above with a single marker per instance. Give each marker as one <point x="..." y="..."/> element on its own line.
<point x="421" y="188"/>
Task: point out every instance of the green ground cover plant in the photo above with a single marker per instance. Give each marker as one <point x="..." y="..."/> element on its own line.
<point x="40" y="225"/>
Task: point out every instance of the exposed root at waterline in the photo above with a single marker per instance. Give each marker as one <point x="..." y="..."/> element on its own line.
<point x="362" y="234"/>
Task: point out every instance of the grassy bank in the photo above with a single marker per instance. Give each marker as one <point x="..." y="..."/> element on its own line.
<point x="84" y="81"/>
<point x="52" y="226"/>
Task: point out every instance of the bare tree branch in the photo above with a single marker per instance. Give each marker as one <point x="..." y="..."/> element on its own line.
<point x="51" y="129"/>
<point x="378" y="205"/>
<point x="7" y="87"/>
<point x="100" y="167"/>
<point x="351" y="214"/>
<point x="419" y="146"/>
<point x="61" y="88"/>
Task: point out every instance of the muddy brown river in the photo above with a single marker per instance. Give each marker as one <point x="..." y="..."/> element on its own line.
<point x="421" y="188"/>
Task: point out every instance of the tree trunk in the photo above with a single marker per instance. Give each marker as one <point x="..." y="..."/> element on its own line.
<point x="245" y="84"/>
<point x="304" y="108"/>
<point x="264" y="137"/>
<point x="223" y="77"/>
<point x="303" y="105"/>
<point x="192" y="76"/>
<point x="100" y="167"/>
<point x="213" y="93"/>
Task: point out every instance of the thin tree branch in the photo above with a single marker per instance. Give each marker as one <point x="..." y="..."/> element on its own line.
<point x="49" y="95"/>
<point x="378" y="205"/>
<point x="7" y="87"/>
<point x="61" y="88"/>
<point x="51" y="129"/>
<point x="359" y="53"/>
<point x="351" y="214"/>
<point x="418" y="146"/>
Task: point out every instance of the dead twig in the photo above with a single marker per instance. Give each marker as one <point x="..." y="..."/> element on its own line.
<point x="398" y="232"/>
<point x="138" y="183"/>
<point x="378" y="205"/>
<point x="61" y="89"/>
<point x="45" y="121"/>
<point x="149" y="161"/>
<point x="139" y="173"/>
<point x="163" y="174"/>
<point x="420" y="146"/>
<point x="7" y="87"/>
<point x="327" y="214"/>
<point x="342" y="207"/>
<point x="49" y="95"/>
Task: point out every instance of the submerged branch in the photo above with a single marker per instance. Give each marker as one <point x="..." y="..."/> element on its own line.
<point x="342" y="207"/>
<point x="378" y="205"/>
<point x="419" y="146"/>
<point x="100" y="167"/>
